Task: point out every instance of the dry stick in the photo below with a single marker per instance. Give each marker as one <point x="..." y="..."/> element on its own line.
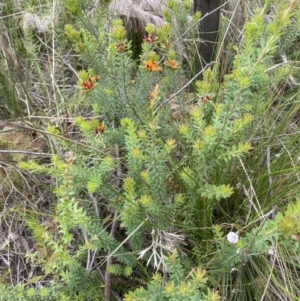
<point x="268" y="281"/>
<point x="12" y="15"/>
<point x="91" y="258"/>
<point x="260" y="219"/>
<point x="58" y="136"/>
<point x="270" y="178"/>
<point x="62" y="118"/>
<point x="277" y="136"/>
<point x="290" y="156"/>
<point x="87" y="268"/>
<point x="52" y="74"/>
<point x="91" y="261"/>
<point x="271" y="256"/>
<point x="113" y="292"/>
<point x="8" y="151"/>
<point x="95" y="205"/>
<point x="257" y="209"/>
<point x="19" y="270"/>
<point x="107" y="276"/>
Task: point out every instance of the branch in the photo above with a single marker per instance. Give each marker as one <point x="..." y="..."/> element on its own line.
<point x="107" y="276"/>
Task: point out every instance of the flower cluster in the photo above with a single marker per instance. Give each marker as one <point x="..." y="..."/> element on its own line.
<point x="152" y="66"/>
<point x="99" y="129"/>
<point x="205" y="99"/>
<point x="150" y="39"/>
<point x="171" y="64"/>
<point x="89" y="84"/>
<point x="121" y="47"/>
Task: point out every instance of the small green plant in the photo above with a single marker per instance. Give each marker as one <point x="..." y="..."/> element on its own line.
<point x="178" y="286"/>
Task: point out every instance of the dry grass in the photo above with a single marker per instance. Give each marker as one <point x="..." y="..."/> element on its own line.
<point x="137" y="14"/>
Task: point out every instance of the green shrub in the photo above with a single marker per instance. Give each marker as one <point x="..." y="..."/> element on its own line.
<point x="137" y="183"/>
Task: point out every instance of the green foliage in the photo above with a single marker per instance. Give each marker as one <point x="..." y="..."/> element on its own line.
<point x="262" y="244"/>
<point x="134" y="185"/>
<point x="178" y="286"/>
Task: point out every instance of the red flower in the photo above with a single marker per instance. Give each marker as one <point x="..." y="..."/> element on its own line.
<point x="121" y="47"/>
<point x="205" y="99"/>
<point x="150" y="39"/>
<point x="88" y="85"/>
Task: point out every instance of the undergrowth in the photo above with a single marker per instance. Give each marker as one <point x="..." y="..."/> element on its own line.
<point x="148" y="191"/>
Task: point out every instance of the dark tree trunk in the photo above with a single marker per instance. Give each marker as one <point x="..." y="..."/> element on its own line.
<point x="208" y="29"/>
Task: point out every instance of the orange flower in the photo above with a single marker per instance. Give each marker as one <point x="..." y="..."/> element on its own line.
<point x="152" y="66"/>
<point x="172" y="64"/>
<point x="99" y="129"/>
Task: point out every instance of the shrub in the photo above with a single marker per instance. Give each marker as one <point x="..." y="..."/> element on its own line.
<point x="153" y="178"/>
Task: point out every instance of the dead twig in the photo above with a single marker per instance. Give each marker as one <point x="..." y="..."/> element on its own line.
<point x="107" y="276"/>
